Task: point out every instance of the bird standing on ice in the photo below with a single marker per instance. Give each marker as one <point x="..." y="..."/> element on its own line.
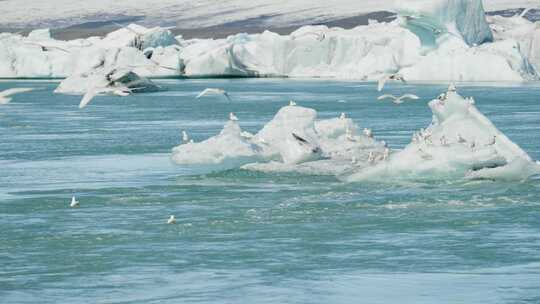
<point x="210" y="91"/>
<point x="460" y="139"/>
<point x="185" y="136"/>
<point x="5" y="95"/>
<point x="232" y="117"/>
<point x="492" y="141"/>
<point x="74" y="202"/>
<point x="368" y="132"/>
<point x="342" y="116"/>
<point x="385" y="78"/>
<point x="398" y="100"/>
<point x="292" y="103"/>
<point x="171" y="220"/>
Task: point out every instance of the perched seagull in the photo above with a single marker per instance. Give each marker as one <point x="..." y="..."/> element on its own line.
<point x="493" y="141"/>
<point x="368" y="132"/>
<point x="444" y="141"/>
<point x="233" y="117"/>
<point x="171" y="220"/>
<point x="348" y="134"/>
<point x="460" y="139"/>
<point x="292" y="103"/>
<point x="74" y="202"/>
<point x="342" y="116"/>
<point x="208" y="91"/>
<point x="386" y="154"/>
<point x="185" y="136"/>
<point x="472" y="145"/>
<point x="385" y="78"/>
<point x="371" y="157"/>
<point x="398" y="100"/>
<point x="5" y="95"/>
<point x="90" y="94"/>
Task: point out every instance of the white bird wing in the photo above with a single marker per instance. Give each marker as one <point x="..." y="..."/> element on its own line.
<point x="88" y="96"/>
<point x="381" y="83"/>
<point x="409" y="96"/>
<point x="13" y="91"/>
<point x="386" y="96"/>
<point x="206" y="91"/>
<point x="522" y="15"/>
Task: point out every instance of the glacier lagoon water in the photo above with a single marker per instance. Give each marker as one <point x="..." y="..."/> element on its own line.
<point x="247" y="237"/>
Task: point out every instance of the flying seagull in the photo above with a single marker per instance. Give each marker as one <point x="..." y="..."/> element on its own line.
<point x="214" y="91"/>
<point x="74" y="202"/>
<point x="5" y="95"/>
<point x="171" y="220"/>
<point x="385" y="78"/>
<point x="90" y="94"/>
<point x="398" y="100"/>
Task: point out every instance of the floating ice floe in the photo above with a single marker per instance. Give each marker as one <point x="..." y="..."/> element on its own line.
<point x="441" y="40"/>
<point x="460" y="143"/>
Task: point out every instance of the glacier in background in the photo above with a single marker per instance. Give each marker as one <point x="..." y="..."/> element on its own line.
<point x="444" y="40"/>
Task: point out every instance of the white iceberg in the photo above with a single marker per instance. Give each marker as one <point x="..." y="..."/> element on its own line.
<point x="434" y="18"/>
<point x="459" y="143"/>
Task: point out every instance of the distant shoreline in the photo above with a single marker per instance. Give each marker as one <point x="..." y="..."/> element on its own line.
<point x="249" y="26"/>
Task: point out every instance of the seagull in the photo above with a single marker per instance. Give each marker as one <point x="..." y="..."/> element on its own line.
<point x="292" y="103"/>
<point x="398" y="100"/>
<point x="5" y="95"/>
<point x="385" y="78"/>
<point x="493" y="141"/>
<point x="386" y="153"/>
<point x="368" y="132"/>
<point x="74" y="202"/>
<point x="444" y="141"/>
<point x="371" y="157"/>
<point x="208" y="91"/>
<point x="91" y="93"/>
<point x="452" y="88"/>
<point x="342" y="116"/>
<point x="171" y="220"/>
<point x="460" y="139"/>
<point x="233" y="117"/>
<point x="525" y="11"/>
<point x="349" y="134"/>
<point x="185" y="136"/>
<point x="472" y="145"/>
<point x="353" y="160"/>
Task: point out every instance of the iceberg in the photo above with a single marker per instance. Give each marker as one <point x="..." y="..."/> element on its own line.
<point x="441" y="40"/>
<point x="434" y="18"/>
<point x="459" y="144"/>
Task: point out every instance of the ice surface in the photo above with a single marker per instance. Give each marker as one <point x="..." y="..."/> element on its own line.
<point x="452" y="27"/>
<point x="463" y="18"/>
<point x="460" y="143"/>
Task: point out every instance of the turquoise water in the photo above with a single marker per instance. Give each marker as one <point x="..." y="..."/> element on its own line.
<point x="247" y="237"/>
